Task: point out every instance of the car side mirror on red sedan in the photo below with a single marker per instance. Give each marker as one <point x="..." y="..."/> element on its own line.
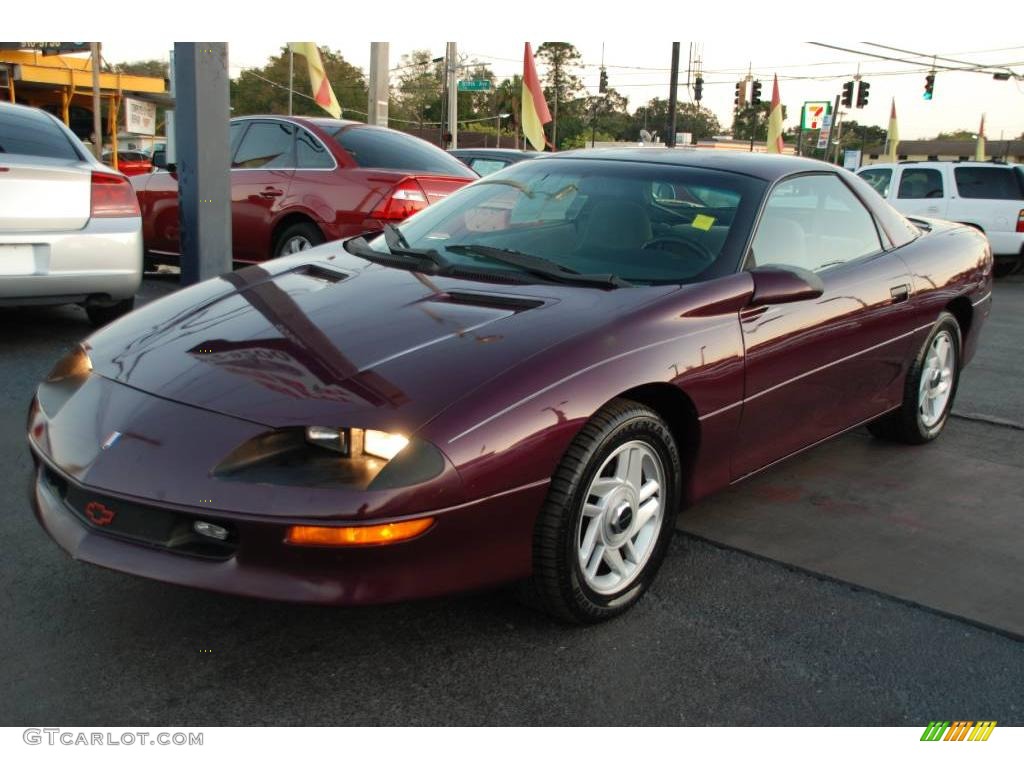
<point x="782" y="285"/>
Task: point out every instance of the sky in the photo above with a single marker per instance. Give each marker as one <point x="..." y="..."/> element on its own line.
<point x="641" y="69"/>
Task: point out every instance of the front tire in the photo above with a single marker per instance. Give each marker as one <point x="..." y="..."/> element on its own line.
<point x="929" y="390"/>
<point x="605" y="526"/>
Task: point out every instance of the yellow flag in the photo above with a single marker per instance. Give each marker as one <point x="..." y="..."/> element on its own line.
<point x="775" y="144"/>
<point x="323" y="94"/>
<point x="979" y="150"/>
<point x="894" y="134"/>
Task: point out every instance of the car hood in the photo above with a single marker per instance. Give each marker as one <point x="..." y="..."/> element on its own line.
<point x="327" y="338"/>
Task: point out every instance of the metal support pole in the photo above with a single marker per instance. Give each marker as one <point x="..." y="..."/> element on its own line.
<point x="670" y="140"/>
<point x="453" y="95"/>
<point x="377" y="109"/>
<point x="97" y="122"/>
<point x="203" y="162"/>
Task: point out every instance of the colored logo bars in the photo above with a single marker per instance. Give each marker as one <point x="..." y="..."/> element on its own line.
<point x="960" y="730"/>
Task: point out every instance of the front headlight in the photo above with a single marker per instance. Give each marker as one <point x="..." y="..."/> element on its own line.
<point x="356" y="442"/>
<point x="337" y="457"/>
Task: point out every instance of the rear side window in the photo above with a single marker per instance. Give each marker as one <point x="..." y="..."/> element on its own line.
<point x="879" y="179"/>
<point x="990" y="183"/>
<point x="381" y="148"/>
<point x="266" y="145"/>
<point x="920" y="184"/>
<point x="484" y="166"/>
<point x="24" y="132"/>
<point x="310" y="153"/>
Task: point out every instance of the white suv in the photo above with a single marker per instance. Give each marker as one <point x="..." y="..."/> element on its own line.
<point x="988" y="196"/>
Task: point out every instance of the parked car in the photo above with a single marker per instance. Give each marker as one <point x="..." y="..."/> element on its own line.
<point x="70" y="229"/>
<point x="486" y="161"/>
<point x="298" y="182"/>
<point x="130" y="162"/>
<point x="987" y="196"/>
<point x="525" y="382"/>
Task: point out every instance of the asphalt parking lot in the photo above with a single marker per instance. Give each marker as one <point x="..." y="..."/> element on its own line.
<point x="752" y="621"/>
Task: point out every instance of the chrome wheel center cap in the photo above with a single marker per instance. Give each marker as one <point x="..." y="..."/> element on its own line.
<point x="621" y="518"/>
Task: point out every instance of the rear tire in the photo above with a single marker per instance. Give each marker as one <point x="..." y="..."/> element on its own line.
<point x="608" y="518"/>
<point x="101" y="314"/>
<point x="298" y="237"/>
<point x="929" y="390"/>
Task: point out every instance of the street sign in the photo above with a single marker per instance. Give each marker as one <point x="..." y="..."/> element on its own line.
<point x="140" y="117"/>
<point x="814" y="114"/>
<point x="826" y="129"/>
<point x="48" y="48"/>
<point x="481" y="86"/>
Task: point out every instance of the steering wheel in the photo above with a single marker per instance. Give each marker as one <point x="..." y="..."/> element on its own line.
<point x="689" y="248"/>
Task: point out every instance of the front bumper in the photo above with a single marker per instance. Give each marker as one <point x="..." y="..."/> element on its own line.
<point x="159" y="472"/>
<point x="476" y="545"/>
<point x="102" y="261"/>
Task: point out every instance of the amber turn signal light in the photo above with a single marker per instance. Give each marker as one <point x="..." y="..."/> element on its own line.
<point x="356" y="536"/>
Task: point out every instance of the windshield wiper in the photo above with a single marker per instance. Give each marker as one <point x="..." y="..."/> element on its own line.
<point x="537" y="265"/>
<point x="425" y="260"/>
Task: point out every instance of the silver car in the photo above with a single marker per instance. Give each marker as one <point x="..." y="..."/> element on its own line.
<point x="70" y="227"/>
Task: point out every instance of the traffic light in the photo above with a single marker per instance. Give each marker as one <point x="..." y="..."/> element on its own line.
<point x="604" y="81"/>
<point x="929" y="86"/>
<point x="755" y="93"/>
<point x="698" y="88"/>
<point x="741" y="95"/>
<point x="862" y="94"/>
<point x="847" y="98"/>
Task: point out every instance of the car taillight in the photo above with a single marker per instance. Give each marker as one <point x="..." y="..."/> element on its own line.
<point x="112" y="197"/>
<point x="1020" y="221"/>
<point x="402" y="202"/>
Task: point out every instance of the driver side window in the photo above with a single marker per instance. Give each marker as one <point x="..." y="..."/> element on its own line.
<point x="813" y="222"/>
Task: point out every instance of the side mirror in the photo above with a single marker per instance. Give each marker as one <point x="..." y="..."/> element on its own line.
<point x="781" y="285"/>
<point x="159" y="159"/>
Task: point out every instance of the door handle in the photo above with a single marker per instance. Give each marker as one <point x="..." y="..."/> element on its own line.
<point x="933" y="209"/>
<point x="899" y="293"/>
<point x="271" y="192"/>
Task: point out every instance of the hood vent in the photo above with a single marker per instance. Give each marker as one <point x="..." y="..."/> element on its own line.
<point x="487" y="300"/>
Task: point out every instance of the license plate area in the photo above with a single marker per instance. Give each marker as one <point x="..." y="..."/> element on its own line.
<point x="18" y="259"/>
<point x="141" y="524"/>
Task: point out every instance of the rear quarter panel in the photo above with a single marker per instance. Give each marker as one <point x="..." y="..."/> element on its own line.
<point x="951" y="263"/>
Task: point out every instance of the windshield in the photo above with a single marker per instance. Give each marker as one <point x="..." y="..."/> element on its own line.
<point x="638" y="221"/>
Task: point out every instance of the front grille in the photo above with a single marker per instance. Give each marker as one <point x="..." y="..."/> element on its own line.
<point x="140" y="523"/>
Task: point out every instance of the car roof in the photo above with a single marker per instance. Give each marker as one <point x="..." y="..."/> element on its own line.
<point x="761" y="166"/>
<point x="496" y="152"/>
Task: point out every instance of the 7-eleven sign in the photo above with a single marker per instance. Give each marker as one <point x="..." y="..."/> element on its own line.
<point x="814" y="115"/>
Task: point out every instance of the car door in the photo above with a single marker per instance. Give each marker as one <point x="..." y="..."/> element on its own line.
<point x="921" y="191"/>
<point x="816" y="367"/>
<point x="261" y="172"/>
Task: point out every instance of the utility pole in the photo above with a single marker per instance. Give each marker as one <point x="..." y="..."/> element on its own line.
<point x="97" y="119"/>
<point x="377" y="108"/>
<point x="203" y="163"/>
<point x="291" y="77"/>
<point x="670" y="140"/>
<point x="453" y="95"/>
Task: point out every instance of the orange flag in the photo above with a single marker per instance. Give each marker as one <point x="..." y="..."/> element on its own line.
<point x="323" y="94"/>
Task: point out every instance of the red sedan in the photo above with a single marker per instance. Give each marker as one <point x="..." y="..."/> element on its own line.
<point x="298" y="182"/>
<point x="130" y="162"/>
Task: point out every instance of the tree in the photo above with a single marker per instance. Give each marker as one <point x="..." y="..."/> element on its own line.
<point x="265" y="90"/>
<point x="856" y="136"/>
<point x="145" y="68"/>
<point x="509" y="100"/>
<point x="420" y="89"/>
<point x="960" y="135"/>
<point x="690" y="118"/>
<point x="753" y="121"/>
<point x="561" y="60"/>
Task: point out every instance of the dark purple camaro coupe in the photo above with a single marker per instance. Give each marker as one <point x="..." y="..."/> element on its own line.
<point x="524" y="382"/>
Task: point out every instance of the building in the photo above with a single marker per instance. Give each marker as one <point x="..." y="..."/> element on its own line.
<point x="1009" y="151"/>
<point x="62" y="85"/>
